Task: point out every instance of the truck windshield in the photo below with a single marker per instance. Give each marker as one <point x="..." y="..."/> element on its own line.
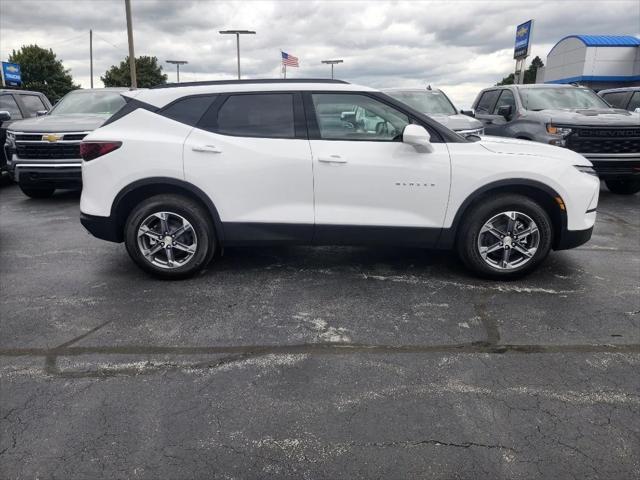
<point x="429" y="102"/>
<point x="560" y="98"/>
<point x="89" y="102"/>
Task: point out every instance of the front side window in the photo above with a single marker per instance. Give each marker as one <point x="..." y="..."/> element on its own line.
<point x="506" y="100"/>
<point x="569" y="98"/>
<point x="487" y="101"/>
<point x="431" y="102"/>
<point x="616" y="99"/>
<point x="250" y="115"/>
<point x="89" y="102"/>
<point x="635" y="101"/>
<point x="8" y="104"/>
<point x="357" y="117"/>
<point x="33" y="104"/>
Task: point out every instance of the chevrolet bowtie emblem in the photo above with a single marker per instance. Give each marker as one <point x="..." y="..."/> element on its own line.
<point x="51" y="137"/>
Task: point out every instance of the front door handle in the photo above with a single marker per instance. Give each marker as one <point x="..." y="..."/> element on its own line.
<point x="332" y="159"/>
<point x="206" y="148"/>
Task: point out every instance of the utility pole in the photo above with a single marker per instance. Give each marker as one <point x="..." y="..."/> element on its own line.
<point x="177" y="63"/>
<point x="91" y="56"/>
<point x="132" y="56"/>
<point x="332" y="63"/>
<point x="237" y="33"/>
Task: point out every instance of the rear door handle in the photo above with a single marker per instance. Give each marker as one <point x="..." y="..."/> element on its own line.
<point x="206" y="148"/>
<point x="332" y="159"/>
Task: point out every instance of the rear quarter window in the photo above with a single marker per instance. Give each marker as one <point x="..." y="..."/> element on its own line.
<point x="188" y="110"/>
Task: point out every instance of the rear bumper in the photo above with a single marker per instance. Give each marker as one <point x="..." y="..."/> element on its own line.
<point x="58" y="175"/>
<point x="104" y="228"/>
<point x="573" y="238"/>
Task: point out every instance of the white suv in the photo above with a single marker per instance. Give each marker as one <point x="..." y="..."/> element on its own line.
<point x="181" y="172"/>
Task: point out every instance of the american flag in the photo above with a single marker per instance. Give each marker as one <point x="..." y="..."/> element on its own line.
<point x="289" y="60"/>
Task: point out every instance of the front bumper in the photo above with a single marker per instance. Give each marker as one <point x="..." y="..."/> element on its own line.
<point x="104" y="228"/>
<point x="57" y="175"/>
<point x="573" y="238"/>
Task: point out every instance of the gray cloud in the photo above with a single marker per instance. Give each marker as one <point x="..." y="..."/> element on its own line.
<point x="458" y="45"/>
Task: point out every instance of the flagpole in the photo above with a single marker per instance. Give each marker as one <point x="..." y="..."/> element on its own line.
<point x="285" y="70"/>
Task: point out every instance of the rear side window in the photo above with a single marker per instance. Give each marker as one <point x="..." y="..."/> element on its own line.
<point x="617" y="99"/>
<point x="8" y="104"/>
<point x="33" y="104"/>
<point x="264" y="115"/>
<point x="487" y="101"/>
<point x="188" y="110"/>
<point x="635" y="101"/>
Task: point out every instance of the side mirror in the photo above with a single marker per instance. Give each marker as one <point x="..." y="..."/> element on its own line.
<point x="505" y="111"/>
<point x="418" y="137"/>
<point x="4" y="116"/>
<point x="41" y="113"/>
<point x="468" y="113"/>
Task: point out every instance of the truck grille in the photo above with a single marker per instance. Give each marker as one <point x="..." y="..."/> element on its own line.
<point x="39" y="151"/>
<point x="604" y="140"/>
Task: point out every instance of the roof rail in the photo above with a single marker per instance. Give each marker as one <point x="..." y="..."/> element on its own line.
<point x="249" y="81"/>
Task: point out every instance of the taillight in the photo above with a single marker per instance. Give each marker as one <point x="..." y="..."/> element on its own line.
<point x="91" y="150"/>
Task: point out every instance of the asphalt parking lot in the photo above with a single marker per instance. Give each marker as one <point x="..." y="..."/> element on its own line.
<point x="315" y="362"/>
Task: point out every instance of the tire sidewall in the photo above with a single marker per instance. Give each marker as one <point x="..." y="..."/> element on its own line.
<point x="186" y="209"/>
<point x="468" y="241"/>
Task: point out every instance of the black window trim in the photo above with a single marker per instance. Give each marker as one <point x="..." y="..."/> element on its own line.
<point x="299" y="124"/>
<point x="214" y="97"/>
<point x="437" y="132"/>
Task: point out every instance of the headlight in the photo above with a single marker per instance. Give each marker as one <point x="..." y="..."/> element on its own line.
<point x="587" y="170"/>
<point x="11" y="138"/>
<point x="562" y="131"/>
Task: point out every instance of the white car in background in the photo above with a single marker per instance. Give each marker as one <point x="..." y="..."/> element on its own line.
<point x="181" y="172"/>
<point x="435" y="103"/>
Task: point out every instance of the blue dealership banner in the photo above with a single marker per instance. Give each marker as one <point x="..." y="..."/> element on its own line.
<point x="11" y="76"/>
<point x="523" y="40"/>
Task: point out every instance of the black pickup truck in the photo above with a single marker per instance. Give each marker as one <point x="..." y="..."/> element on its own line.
<point x="17" y="105"/>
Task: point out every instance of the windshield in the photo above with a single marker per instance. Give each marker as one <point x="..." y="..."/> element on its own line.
<point x="429" y="102"/>
<point x="560" y="98"/>
<point x="89" y="102"/>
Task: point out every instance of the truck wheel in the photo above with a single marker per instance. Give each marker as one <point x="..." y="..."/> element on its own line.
<point x="623" y="187"/>
<point x="37" y="192"/>
<point x="505" y="237"/>
<point x="170" y="236"/>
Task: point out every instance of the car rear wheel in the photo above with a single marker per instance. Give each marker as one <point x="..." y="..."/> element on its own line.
<point x="170" y="236"/>
<point x="623" y="187"/>
<point x="505" y="237"/>
<point x="35" y="192"/>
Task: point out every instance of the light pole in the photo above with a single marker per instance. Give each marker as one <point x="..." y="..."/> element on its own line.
<point x="132" y="55"/>
<point x="177" y="63"/>
<point x="332" y="63"/>
<point x="237" y="33"/>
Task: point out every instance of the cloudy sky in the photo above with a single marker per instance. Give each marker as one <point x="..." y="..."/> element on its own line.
<point x="460" y="46"/>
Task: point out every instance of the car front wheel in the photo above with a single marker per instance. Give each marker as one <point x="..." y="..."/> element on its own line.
<point x="170" y="236"/>
<point x="623" y="187"/>
<point x="505" y="237"/>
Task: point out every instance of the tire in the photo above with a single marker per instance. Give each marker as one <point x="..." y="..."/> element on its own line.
<point x="623" y="187"/>
<point x="197" y="243"/>
<point x="38" y="192"/>
<point x="474" y="234"/>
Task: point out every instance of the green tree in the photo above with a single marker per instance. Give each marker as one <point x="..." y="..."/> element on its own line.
<point x="148" y="73"/>
<point x="43" y="72"/>
<point x="529" y="73"/>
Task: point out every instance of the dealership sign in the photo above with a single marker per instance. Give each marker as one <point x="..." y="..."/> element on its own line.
<point x="523" y="40"/>
<point x="11" y="76"/>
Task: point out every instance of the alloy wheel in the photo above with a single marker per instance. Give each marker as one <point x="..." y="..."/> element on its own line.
<point x="167" y="240"/>
<point x="508" y="240"/>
